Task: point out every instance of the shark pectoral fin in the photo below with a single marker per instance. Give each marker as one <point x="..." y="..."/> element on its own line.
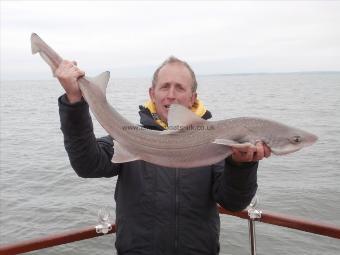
<point x="233" y="144"/>
<point x="180" y="116"/>
<point x="226" y="142"/>
<point x="121" y="155"/>
<point x="101" y="80"/>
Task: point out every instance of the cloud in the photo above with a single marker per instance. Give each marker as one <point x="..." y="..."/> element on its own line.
<point x="137" y="35"/>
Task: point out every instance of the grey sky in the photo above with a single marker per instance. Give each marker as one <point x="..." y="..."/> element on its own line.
<point x="132" y="38"/>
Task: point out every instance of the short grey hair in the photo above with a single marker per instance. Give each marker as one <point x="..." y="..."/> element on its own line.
<point x="172" y="60"/>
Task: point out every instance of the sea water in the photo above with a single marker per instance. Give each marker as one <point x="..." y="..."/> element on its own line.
<point x="42" y="195"/>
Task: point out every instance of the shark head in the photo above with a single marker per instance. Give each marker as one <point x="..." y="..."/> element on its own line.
<point x="292" y="140"/>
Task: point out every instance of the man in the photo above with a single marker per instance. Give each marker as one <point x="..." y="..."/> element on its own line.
<point x="159" y="210"/>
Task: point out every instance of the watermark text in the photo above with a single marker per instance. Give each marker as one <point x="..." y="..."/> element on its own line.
<point x="175" y="128"/>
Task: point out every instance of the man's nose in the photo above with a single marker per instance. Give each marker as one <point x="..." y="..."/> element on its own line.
<point x="171" y="93"/>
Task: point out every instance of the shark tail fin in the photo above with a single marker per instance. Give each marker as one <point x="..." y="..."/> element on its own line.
<point x="34" y="47"/>
<point x="45" y="51"/>
<point x="101" y="80"/>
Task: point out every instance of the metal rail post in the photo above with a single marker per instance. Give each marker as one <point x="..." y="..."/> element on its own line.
<point x="104" y="221"/>
<point x="254" y="214"/>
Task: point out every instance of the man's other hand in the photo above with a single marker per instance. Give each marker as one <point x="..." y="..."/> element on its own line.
<point x="250" y="152"/>
<point x="68" y="73"/>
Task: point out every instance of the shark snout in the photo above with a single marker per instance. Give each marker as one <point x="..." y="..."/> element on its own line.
<point x="311" y="139"/>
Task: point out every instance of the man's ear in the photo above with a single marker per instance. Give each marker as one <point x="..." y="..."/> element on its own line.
<point x="152" y="94"/>
<point x="193" y="98"/>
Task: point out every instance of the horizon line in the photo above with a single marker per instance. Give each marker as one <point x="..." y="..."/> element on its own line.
<point x="204" y="75"/>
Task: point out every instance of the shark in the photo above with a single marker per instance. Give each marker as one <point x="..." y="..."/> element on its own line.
<point x="190" y="141"/>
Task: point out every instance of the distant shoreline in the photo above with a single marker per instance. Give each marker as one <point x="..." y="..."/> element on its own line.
<point x="271" y="73"/>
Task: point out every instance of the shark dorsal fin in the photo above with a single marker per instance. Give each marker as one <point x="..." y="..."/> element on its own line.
<point x="180" y="116"/>
<point x="121" y="155"/>
<point x="101" y="80"/>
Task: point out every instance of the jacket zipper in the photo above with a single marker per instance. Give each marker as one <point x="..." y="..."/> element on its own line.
<point x="177" y="209"/>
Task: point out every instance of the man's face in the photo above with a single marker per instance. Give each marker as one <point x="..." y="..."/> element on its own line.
<point x="174" y="85"/>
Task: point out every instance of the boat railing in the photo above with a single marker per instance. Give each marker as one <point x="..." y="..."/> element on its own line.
<point x="252" y="215"/>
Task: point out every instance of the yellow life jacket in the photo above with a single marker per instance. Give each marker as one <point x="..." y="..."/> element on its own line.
<point x="198" y="108"/>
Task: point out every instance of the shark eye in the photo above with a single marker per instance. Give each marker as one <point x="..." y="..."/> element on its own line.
<point x="296" y="139"/>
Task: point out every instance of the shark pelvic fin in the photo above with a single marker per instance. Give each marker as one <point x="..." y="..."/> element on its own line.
<point x="180" y="116"/>
<point x="121" y="155"/>
<point x="101" y="80"/>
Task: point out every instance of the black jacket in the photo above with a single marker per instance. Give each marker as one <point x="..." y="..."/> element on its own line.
<point x="159" y="210"/>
